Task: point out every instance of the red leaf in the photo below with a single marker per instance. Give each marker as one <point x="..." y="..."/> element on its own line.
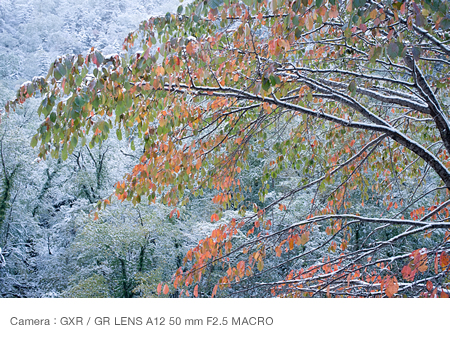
<point x="429" y="286"/>
<point x="196" y="291"/>
<point x="166" y="289"/>
<point x="407" y="273"/>
<point x="158" y="289"/>
<point x="436" y="264"/>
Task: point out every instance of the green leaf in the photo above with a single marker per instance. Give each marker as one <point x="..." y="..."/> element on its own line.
<point x="416" y="51"/>
<point x="34" y="141"/>
<point x="53" y="117"/>
<point x="352" y="86"/>
<point x="358" y="3"/>
<point x="73" y="141"/>
<point x="61" y="69"/>
<point x="30" y="89"/>
<point x="420" y="20"/>
<point x="444" y="24"/>
<point x="78" y="80"/>
<point x="57" y="74"/>
<point x="265" y="84"/>
<point x="348" y="33"/>
<point x="392" y="50"/>
<point x="64" y="152"/>
<point x="99" y="57"/>
<point x="119" y="134"/>
<point x="215" y="3"/>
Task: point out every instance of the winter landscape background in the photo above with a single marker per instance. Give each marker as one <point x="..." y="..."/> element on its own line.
<point x="49" y="244"/>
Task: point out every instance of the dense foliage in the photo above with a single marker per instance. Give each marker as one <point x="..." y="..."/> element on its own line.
<point x="335" y="113"/>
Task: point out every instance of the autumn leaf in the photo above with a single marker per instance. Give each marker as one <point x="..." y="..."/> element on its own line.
<point x="245" y="118"/>
<point x="444" y="260"/>
<point x="214" y="291"/>
<point x="260" y="265"/>
<point x="158" y="289"/>
<point x="190" y="48"/>
<point x="196" y="291"/>
<point x="166" y="289"/>
<point x="391" y="286"/>
<point x="407" y="273"/>
<point x="309" y="22"/>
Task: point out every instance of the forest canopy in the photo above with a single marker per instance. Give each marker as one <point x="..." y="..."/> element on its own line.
<point x="319" y="130"/>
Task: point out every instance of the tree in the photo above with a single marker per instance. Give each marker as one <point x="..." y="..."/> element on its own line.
<point x="344" y="103"/>
<point x="126" y="253"/>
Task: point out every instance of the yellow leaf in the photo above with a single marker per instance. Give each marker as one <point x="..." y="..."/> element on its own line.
<point x="260" y="265"/>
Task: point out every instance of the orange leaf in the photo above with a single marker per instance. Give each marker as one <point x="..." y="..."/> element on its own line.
<point x="305" y="238"/>
<point x="429" y="286"/>
<point x="278" y="251"/>
<point x="166" y="289"/>
<point x="196" y="291"/>
<point x="158" y="289"/>
<point x="444" y="259"/>
<point x="391" y="287"/>
<point x="423" y="267"/>
<point x="190" y="48"/>
<point x="291" y="243"/>
<point x="214" y="217"/>
<point x="214" y="291"/>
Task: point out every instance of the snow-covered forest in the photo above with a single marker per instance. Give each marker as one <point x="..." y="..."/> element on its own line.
<point x="230" y="148"/>
<point x="50" y="245"/>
